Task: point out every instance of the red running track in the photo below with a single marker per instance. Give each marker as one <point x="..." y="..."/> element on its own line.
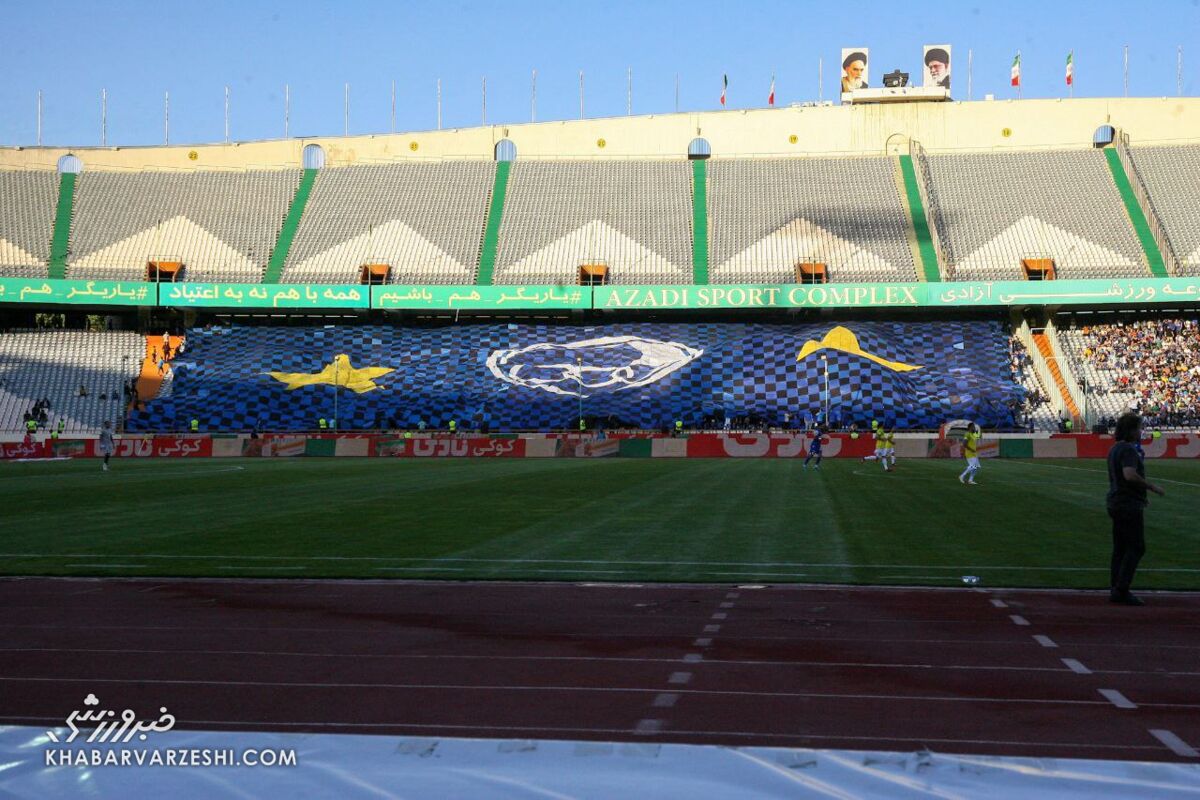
<point x="1012" y="672"/>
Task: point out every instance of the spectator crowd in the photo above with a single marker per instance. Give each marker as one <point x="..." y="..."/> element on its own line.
<point x="1158" y="361"/>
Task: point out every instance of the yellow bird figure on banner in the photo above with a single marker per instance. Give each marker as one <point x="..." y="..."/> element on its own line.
<point x="843" y="339"/>
<point x="339" y="372"/>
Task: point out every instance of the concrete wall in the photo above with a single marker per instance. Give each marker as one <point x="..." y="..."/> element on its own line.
<point x="782" y="132"/>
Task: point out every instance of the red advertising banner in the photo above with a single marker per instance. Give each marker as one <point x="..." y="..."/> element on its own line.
<point x="10" y="450"/>
<point x="1169" y="445"/>
<point x="448" y="447"/>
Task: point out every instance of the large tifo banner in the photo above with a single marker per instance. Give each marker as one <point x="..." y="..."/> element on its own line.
<point x="545" y="377"/>
<point x="749" y="297"/>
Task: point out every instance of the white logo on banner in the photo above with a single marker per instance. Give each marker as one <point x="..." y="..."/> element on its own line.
<point x="571" y="373"/>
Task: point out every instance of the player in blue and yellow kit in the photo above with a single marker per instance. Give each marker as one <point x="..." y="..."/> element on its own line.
<point x="814" y="449"/>
<point x="971" y="453"/>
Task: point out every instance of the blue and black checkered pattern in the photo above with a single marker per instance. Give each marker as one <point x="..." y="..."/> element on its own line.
<point x="442" y="374"/>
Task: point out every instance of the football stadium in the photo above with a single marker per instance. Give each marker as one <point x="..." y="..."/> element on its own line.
<point x="755" y="452"/>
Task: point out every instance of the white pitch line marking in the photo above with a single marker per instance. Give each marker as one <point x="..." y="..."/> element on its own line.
<point x="665" y="700"/>
<point x="692" y="658"/>
<point x="711" y="628"/>
<point x="1044" y="641"/>
<point x="648" y="726"/>
<point x="999" y="603"/>
<point x="1018" y="619"/>
<point x="1173" y="743"/>
<point x="703" y="642"/>
<point x="720" y="615"/>
<point x="679" y="677"/>
<point x="1076" y="666"/>
<point x="1117" y="699"/>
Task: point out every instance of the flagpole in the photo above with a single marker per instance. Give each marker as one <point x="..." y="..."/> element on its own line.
<point x="970" y="67"/>
<point x="226" y="114"/>
<point x="287" y="108"/>
<point x="581" y="94"/>
<point x="1019" y="81"/>
<point x="103" y="117"/>
<point x="1071" y="85"/>
<point x="1179" y="71"/>
<point x="439" y="104"/>
<point x="393" y="105"/>
<point x="1127" y="70"/>
<point x="820" y="79"/>
<point x="39" y="118"/>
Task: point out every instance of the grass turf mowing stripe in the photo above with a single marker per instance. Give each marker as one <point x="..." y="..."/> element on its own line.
<point x="662" y="520"/>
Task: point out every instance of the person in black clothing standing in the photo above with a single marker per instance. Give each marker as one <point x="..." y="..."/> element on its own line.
<point x="1127" y="487"/>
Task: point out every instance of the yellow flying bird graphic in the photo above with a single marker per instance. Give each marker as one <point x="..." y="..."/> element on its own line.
<point x="843" y="339"/>
<point x="339" y="372"/>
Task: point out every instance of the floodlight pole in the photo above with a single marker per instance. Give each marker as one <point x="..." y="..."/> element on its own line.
<point x="825" y="364"/>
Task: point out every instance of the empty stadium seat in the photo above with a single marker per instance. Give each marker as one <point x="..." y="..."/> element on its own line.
<point x="221" y="225"/>
<point x="633" y="216"/>
<point x="769" y="214"/>
<point x="994" y="209"/>
<point x="424" y="220"/>
<point x="54" y="364"/>
<point x="1171" y="176"/>
<point x="27" y="204"/>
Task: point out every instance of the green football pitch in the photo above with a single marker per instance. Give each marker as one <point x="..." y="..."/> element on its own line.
<point x="1028" y="523"/>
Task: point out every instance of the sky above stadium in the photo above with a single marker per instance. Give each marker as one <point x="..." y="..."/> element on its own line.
<point x="137" y="50"/>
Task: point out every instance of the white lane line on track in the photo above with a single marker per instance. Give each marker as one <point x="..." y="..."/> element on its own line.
<point x="590" y="659"/>
<point x="1117" y="699"/>
<point x="1044" y="641"/>
<point x="1173" y="743"/>
<point x="449" y="559"/>
<point x="712" y="628"/>
<point x="1018" y="619"/>
<point x="719" y="615"/>
<point x="999" y="603"/>
<point x="692" y="658"/>
<point x="648" y="726"/>
<point x="679" y="677"/>
<point x="261" y="725"/>
<point x="666" y="700"/>
<point x="1076" y="666"/>
<point x="309" y="685"/>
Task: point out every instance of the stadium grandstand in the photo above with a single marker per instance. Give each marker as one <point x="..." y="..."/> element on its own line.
<point x="566" y="381"/>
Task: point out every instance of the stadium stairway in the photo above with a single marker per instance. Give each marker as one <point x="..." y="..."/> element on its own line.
<point x="61" y="241"/>
<point x="491" y="233"/>
<point x="699" y="222"/>
<point x="1154" y="256"/>
<point x="1046" y="349"/>
<point x="918" y="221"/>
<point x="150" y="380"/>
<point x="291" y="223"/>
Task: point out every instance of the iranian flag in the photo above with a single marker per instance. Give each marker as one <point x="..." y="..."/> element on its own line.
<point x="1070" y="68"/>
<point x="771" y="96"/>
<point x="1016" y="70"/>
<point x="724" y="88"/>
